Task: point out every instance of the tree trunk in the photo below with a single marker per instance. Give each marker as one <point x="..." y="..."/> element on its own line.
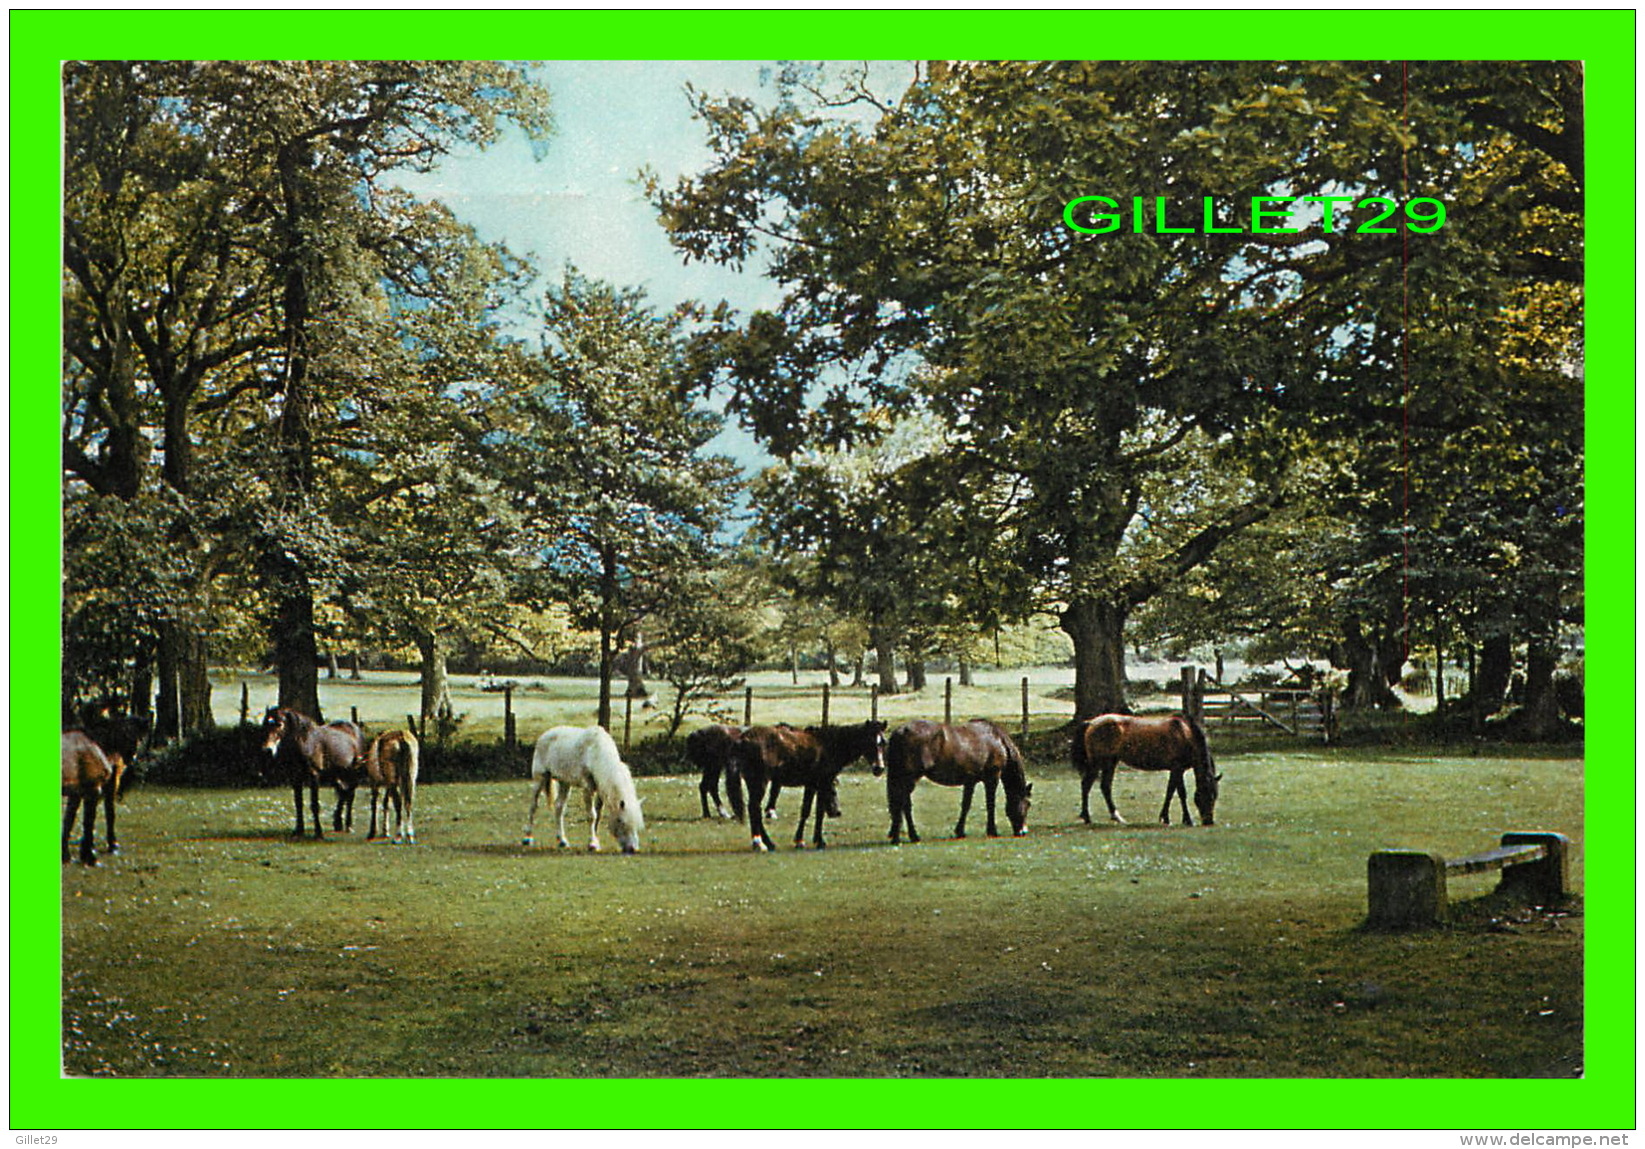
<point x="916" y="671"/>
<point x="194" y="684"/>
<point x="1097" y="629"/>
<point x="1496" y="667"/>
<point x="633" y="663"/>
<point x="168" y="714"/>
<point x="884" y="661"/>
<point x="608" y="627"/>
<point x="1539" y="719"/>
<point x="965" y="671"/>
<point x="833" y="667"/>
<point x="296" y="655"/>
<point x="1367" y="661"/>
<point x="436" y="692"/>
<point x="857" y="668"/>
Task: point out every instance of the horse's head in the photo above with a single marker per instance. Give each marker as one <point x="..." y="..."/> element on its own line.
<point x="1205" y="796"/>
<point x="1016" y="809"/>
<point x="876" y="730"/>
<point x="274" y="729"/>
<point x="627" y="823"/>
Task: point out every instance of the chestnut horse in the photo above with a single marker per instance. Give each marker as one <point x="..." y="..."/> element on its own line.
<point x="709" y="750"/>
<point x="958" y="755"/>
<point x="391" y="765"/>
<point x="89" y="774"/>
<point x="311" y="754"/>
<point x="812" y="758"/>
<point x="1175" y="743"/>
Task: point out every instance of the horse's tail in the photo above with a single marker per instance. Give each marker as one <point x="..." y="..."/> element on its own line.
<point x="413" y="753"/>
<point x="1077" y="752"/>
<point x="896" y="752"/>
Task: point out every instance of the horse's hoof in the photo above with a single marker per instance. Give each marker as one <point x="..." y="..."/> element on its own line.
<point x="594" y="847"/>
<point x="525" y="841"/>
<point x="1084" y="817"/>
<point x="758" y="846"/>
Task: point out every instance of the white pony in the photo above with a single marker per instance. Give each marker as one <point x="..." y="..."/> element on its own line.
<point x="588" y="758"/>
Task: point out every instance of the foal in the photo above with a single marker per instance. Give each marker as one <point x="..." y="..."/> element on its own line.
<point x="89" y="774"/>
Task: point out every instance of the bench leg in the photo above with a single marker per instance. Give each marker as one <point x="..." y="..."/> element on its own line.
<point x="1543" y="882"/>
<point x="1407" y="888"/>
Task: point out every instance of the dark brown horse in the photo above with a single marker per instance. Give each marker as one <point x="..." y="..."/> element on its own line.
<point x="1175" y="743"/>
<point x="89" y="774"/>
<point x="709" y="750"/>
<point x="958" y="755"/>
<point x="812" y="758"/>
<point x="314" y="755"/>
<point x="390" y="766"/>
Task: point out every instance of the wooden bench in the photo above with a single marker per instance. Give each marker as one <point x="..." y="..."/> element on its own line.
<point x="1408" y="887"/>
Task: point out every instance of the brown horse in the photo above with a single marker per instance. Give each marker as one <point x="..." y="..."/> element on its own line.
<point x="958" y="755"/>
<point x="89" y="774"/>
<point x="812" y="758"/>
<point x="311" y="754"/>
<point x="1175" y="743"/>
<point x="709" y="749"/>
<point x="390" y="765"/>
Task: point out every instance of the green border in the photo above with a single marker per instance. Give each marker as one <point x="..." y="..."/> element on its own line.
<point x="1604" y="1099"/>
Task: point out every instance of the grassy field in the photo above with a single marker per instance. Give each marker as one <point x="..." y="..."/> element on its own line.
<point x="217" y="946"/>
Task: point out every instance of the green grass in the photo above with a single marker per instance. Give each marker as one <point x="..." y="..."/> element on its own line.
<point x="217" y="946"/>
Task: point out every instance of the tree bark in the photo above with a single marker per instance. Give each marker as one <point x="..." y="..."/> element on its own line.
<point x="1097" y="629"/>
<point x="296" y="654"/>
<point x="1496" y="667"/>
<point x="436" y="688"/>
<point x="608" y="606"/>
<point x="885" y="664"/>
<point x="168" y="714"/>
<point x="194" y="684"/>
<point x="915" y="671"/>
<point x="1539" y="720"/>
<point x="1369" y="662"/>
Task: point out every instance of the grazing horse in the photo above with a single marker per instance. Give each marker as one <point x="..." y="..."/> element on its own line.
<point x="1175" y="743"/>
<point x="313" y="754"/>
<point x="391" y="765"/>
<point x="709" y="749"/>
<point x="959" y="755"/>
<point x="812" y="758"/>
<point x="89" y="774"/>
<point x="568" y="756"/>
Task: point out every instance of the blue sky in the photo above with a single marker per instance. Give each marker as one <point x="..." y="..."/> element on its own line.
<point x="582" y="202"/>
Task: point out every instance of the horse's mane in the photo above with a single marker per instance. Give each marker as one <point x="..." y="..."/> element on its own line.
<point x="611" y="774"/>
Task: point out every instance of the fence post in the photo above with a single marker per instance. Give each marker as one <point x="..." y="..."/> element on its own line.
<point x="748" y="706"/>
<point x="628" y="716"/>
<point x="245" y="704"/>
<point x="874" y="703"/>
<point x="1025" y="706"/>
<point x="1190" y="693"/>
<point x="825" y="704"/>
<point x="948" y="700"/>
<point x="508" y="716"/>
